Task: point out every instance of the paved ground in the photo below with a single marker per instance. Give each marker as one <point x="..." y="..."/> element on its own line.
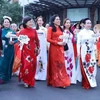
<point x="15" y="91"/>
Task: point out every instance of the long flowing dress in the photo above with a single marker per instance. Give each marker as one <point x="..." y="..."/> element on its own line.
<point x="70" y="60"/>
<point x="56" y="71"/>
<point x="86" y="48"/>
<point x="41" y="71"/>
<point x="28" y="57"/>
<point x="6" y="60"/>
<point x="77" y="60"/>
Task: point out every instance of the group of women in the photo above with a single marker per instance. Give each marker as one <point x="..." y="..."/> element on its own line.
<point x="71" y="55"/>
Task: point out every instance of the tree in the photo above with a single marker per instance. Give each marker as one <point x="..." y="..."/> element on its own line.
<point x="14" y="10"/>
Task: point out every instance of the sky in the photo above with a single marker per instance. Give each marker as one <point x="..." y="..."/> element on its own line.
<point x="24" y="2"/>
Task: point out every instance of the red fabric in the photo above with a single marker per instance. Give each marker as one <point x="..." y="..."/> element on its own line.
<point x="85" y="82"/>
<point x="28" y="57"/>
<point x="56" y="72"/>
<point x="98" y="51"/>
<point x="87" y="57"/>
<point x="75" y="50"/>
<point x="98" y="45"/>
<point x="17" y="58"/>
<point x="91" y="69"/>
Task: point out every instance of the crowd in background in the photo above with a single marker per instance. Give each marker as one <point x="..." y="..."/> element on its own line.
<point x="62" y="55"/>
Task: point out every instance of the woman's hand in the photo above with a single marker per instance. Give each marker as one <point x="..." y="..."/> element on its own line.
<point x="11" y="42"/>
<point x="62" y="43"/>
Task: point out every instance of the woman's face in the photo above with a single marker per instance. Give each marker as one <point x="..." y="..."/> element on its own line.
<point x="6" y="23"/>
<point x="88" y="24"/>
<point x="14" y="27"/>
<point x="40" y="21"/>
<point x="67" y="24"/>
<point x="30" y="23"/>
<point x="21" y="27"/>
<point x="57" y="21"/>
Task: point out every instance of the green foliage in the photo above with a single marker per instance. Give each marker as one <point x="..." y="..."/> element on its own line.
<point x="12" y="10"/>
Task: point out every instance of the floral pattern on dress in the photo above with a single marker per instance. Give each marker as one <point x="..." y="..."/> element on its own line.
<point x="89" y="63"/>
<point x="69" y="59"/>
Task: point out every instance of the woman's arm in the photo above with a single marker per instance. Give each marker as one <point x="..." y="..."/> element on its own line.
<point x="49" y="36"/>
<point x="14" y="40"/>
<point x="37" y="40"/>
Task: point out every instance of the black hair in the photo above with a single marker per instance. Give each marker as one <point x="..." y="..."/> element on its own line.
<point x="76" y="25"/>
<point x="25" y="20"/>
<point x="20" y="25"/>
<point x="81" y="21"/>
<point x="7" y="19"/>
<point x="84" y="21"/>
<point x="52" y="23"/>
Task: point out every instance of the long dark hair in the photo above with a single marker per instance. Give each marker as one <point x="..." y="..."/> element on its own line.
<point x="70" y="28"/>
<point x="81" y="21"/>
<point x="37" y="26"/>
<point x="52" y="23"/>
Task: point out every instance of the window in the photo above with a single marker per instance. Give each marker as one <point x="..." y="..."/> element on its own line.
<point x="77" y="14"/>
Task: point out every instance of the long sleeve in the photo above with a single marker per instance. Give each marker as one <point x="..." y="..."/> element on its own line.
<point x="49" y="36"/>
<point x="1" y="40"/>
<point x="37" y="40"/>
<point x="3" y="35"/>
<point x="78" y="42"/>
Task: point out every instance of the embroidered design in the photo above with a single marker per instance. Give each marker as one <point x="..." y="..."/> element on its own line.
<point x="40" y="64"/>
<point x="28" y="58"/>
<point x="89" y="62"/>
<point x="87" y="57"/>
<point x="26" y="71"/>
<point x="91" y="69"/>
